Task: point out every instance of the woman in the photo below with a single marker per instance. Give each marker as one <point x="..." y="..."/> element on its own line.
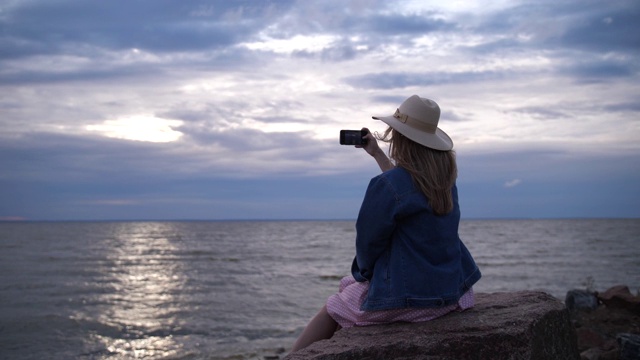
<point x="410" y="263"/>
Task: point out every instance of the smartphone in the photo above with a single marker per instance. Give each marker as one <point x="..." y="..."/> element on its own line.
<point x="353" y="137"/>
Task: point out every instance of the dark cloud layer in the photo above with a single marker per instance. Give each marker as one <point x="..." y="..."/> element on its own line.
<point x="403" y="80"/>
<point x="31" y="28"/>
<point x="606" y="29"/>
<point x="214" y="28"/>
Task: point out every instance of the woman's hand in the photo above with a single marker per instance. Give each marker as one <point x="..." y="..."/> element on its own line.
<point x="372" y="143"/>
<point x="374" y="150"/>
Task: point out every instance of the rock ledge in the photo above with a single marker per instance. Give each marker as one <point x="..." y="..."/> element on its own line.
<point x="514" y="325"/>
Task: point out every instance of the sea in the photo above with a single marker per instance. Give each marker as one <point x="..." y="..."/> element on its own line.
<point x="246" y="289"/>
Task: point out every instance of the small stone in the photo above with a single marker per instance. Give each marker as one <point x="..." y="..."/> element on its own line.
<point x="619" y="297"/>
<point x="629" y="346"/>
<point x="580" y="300"/>
<point x="591" y="354"/>
<point x="609" y="355"/>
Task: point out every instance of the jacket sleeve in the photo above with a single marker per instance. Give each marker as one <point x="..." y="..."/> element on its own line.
<point x="374" y="227"/>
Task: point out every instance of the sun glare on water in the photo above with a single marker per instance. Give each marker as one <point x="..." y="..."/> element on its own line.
<point x="140" y="128"/>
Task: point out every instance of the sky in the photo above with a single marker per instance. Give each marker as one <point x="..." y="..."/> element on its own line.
<point x="215" y="110"/>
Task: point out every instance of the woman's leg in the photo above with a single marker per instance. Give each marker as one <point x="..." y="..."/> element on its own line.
<point x="321" y="327"/>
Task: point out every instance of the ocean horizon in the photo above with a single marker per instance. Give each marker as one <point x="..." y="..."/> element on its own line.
<point x="18" y="219"/>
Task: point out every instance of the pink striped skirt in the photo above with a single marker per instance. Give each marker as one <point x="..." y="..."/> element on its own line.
<point x="344" y="307"/>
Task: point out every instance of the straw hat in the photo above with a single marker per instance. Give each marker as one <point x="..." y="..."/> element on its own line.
<point x="417" y="118"/>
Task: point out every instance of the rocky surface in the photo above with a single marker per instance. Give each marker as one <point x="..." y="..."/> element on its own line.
<point x="515" y="325"/>
<point x="607" y="324"/>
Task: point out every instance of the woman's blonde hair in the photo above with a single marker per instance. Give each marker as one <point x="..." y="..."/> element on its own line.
<point x="434" y="172"/>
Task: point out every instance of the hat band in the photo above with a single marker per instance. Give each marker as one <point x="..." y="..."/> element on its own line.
<point x="415" y="123"/>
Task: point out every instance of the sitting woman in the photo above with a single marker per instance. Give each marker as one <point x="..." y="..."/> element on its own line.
<point x="410" y="264"/>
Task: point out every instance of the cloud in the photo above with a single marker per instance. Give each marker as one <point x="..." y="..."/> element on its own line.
<point x="163" y="26"/>
<point x="141" y="128"/>
<point x="598" y="70"/>
<point x="613" y="28"/>
<point x="12" y="218"/>
<point x="403" y="24"/>
<point x="541" y="113"/>
<point x="404" y="80"/>
<point x="623" y="107"/>
<point x="512" y="183"/>
<point x="111" y="202"/>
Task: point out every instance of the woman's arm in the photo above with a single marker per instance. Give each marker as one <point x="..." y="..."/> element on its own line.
<point x="374" y="227"/>
<point x="374" y="150"/>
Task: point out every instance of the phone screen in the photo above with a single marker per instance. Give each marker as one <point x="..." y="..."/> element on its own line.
<point x="352" y="137"/>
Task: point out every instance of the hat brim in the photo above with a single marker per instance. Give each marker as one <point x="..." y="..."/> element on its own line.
<point x="438" y="141"/>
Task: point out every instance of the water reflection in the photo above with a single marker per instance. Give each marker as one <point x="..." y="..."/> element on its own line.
<point x="145" y="284"/>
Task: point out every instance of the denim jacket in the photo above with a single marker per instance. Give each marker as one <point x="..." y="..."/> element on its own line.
<point x="410" y="256"/>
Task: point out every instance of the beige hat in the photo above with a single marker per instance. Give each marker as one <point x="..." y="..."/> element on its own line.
<point x="417" y="118"/>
